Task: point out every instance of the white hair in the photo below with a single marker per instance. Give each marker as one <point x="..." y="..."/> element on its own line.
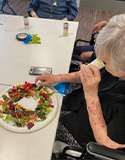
<point x="111" y="42"/>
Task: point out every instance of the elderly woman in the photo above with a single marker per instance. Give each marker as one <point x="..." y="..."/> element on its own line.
<point x="53" y="9"/>
<point x="96" y="112"/>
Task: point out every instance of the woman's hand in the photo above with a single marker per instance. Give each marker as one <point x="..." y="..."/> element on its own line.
<point x="46" y="79"/>
<point x="90" y="78"/>
<point x="65" y="19"/>
<point x="85" y="55"/>
<point x="33" y="14"/>
<point x="98" y="26"/>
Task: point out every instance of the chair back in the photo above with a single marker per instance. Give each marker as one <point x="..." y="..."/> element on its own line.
<point x="93" y="38"/>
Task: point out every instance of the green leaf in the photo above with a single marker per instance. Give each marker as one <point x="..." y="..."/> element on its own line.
<point x="50" y="94"/>
<point x="35" y="39"/>
<point x="44" y="107"/>
<point x="19" y="109"/>
<point x="8" y="118"/>
<point x="37" y="96"/>
<point x="40" y="87"/>
<point x="5" y="98"/>
<point x="6" y="109"/>
<point x="1" y="116"/>
<point x="22" y="92"/>
<point x="41" y="115"/>
<point x="46" y="103"/>
<point x="23" y="123"/>
<point x="9" y="90"/>
<point x="45" y="88"/>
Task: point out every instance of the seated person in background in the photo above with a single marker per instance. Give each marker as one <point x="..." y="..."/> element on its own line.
<point x="87" y="53"/>
<point x="96" y="111"/>
<point x="53" y="9"/>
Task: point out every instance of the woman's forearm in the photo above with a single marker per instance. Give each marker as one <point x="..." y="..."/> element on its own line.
<point x="70" y="77"/>
<point x="98" y="124"/>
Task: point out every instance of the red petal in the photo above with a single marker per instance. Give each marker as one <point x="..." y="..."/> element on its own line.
<point x="30" y="125"/>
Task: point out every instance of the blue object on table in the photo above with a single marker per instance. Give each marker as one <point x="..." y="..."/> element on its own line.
<point x="26" y="41"/>
<point x="60" y="87"/>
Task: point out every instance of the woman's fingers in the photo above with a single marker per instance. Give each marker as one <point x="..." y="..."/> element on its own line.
<point x="43" y="78"/>
<point x="95" y="70"/>
<point x="89" y="73"/>
<point x="86" y="71"/>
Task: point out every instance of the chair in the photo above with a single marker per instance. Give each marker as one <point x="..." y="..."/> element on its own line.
<point x="90" y="42"/>
<point x="104" y="153"/>
<point x="92" y="151"/>
<point x="62" y="151"/>
<point x="76" y="62"/>
<point x="3" y="3"/>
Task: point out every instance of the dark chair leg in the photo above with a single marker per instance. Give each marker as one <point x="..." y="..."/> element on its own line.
<point x="6" y="2"/>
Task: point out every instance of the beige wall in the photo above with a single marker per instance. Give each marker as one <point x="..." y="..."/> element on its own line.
<point x="111" y="5"/>
<point x="78" y="2"/>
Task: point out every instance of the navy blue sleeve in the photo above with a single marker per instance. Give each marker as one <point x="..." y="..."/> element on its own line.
<point x="72" y="9"/>
<point x="33" y="5"/>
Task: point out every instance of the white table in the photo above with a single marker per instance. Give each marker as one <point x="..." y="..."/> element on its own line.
<point x="15" y="61"/>
<point x="17" y="57"/>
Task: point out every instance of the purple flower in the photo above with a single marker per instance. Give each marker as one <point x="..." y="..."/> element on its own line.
<point x="30" y="125"/>
<point x="52" y="106"/>
<point x="13" y="113"/>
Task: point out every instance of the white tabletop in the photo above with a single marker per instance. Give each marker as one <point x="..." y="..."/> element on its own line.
<point x="15" y="60"/>
<point x="16" y="57"/>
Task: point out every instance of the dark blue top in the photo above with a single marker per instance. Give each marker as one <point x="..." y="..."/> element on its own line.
<point x="61" y="9"/>
<point x="112" y="98"/>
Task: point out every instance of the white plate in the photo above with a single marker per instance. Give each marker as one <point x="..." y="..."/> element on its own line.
<point x="37" y="125"/>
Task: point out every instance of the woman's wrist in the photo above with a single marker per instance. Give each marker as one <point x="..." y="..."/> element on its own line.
<point x="33" y="14"/>
<point x="60" y="78"/>
<point x="91" y="99"/>
<point x="69" y="77"/>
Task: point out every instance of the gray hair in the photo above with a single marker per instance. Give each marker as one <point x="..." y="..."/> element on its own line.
<point x="111" y="42"/>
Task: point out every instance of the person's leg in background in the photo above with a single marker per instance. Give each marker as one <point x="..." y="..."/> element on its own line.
<point x="84" y="53"/>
